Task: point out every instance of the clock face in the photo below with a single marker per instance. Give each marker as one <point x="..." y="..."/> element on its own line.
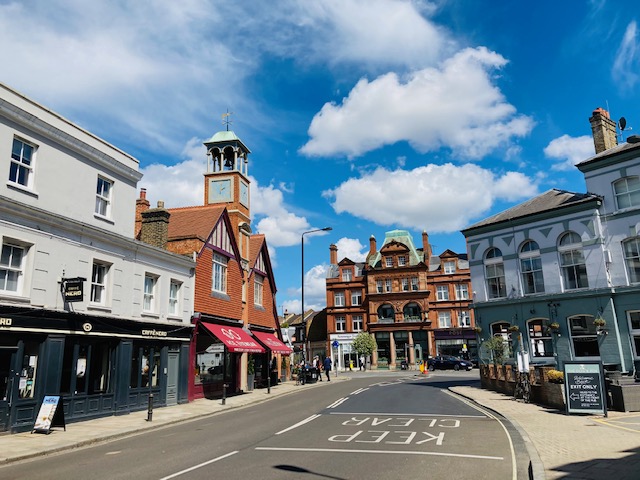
<point x="220" y="190"/>
<point x="244" y="194"/>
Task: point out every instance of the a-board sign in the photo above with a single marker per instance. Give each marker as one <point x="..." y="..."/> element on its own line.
<point x="584" y="387"/>
<point x="51" y="414"/>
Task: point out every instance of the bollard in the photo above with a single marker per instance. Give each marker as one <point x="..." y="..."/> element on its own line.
<point x="150" y="408"/>
<point x="224" y="393"/>
<point x="269" y="384"/>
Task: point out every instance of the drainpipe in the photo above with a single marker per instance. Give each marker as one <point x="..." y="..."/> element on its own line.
<point x="615" y="322"/>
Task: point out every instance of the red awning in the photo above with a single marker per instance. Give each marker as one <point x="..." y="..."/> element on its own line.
<point x="236" y="339"/>
<point x="272" y="342"/>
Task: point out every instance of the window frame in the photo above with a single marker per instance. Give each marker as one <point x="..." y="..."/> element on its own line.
<point x="633" y="316"/>
<point x="628" y="193"/>
<point x="219" y="269"/>
<point x="631" y="258"/>
<point x="102" y="198"/>
<point x="149" y="296"/>
<point x="388" y="285"/>
<point x="444" y="319"/>
<point x="531" y="268"/>
<point x="21" y="166"/>
<point x="449" y="267"/>
<point x="258" y="290"/>
<point x="357" y="296"/>
<point x="341" y="323"/>
<point x="18" y="271"/>
<point x="590" y="333"/>
<point x="103" y="287"/>
<point x="442" y="293"/>
<point x="175" y="298"/>
<point x="402" y="260"/>
<point x="388" y="262"/>
<point x="576" y="271"/>
<point x="357" y="323"/>
<point x="538" y="333"/>
<point x="339" y="299"/>
<point x="462" y="291"/>
<point x="347" y="275"/>
<point x="495" y="280"/>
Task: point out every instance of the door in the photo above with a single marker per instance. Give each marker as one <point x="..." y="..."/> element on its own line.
<point x="172" y="378"/>
<point x="8" y="385"/>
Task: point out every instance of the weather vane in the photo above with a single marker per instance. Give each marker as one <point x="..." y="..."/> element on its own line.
<point x="226" y="120"/>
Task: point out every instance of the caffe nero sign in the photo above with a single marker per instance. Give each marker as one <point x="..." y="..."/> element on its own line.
<point x="72" y="289"/>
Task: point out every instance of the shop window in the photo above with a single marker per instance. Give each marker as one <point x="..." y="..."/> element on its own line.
<point x="634" y="329"/>
<point x="540" y="339"/>
<point x="28" y="371"/>
<point x="86" y="368"/>
<point x="584" y="336"/>
<point x="572" y="262"/>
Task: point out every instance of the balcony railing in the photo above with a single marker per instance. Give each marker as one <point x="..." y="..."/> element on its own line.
<point x="386" y="319"/>
<point x="412" y="318"/>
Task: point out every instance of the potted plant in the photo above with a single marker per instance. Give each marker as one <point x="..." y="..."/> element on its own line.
<point x="599" y="322"/>
<point x="555" y="376"/>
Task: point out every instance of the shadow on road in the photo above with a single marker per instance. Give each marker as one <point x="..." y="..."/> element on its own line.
<point x="295" y="469"/>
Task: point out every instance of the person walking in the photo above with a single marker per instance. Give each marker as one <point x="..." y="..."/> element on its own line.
<point x="317" y="366"/>
<point x="362" y="367"/>
<point x="327" y="367"/>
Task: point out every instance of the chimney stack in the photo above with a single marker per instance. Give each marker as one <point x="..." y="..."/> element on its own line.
<point x="373" y="248"/>
<point x="155" y="226"/>
<point x="426" y="248"/>
<point x="604" y="130"/>
<point x="333" y="254"/>
<point x="142" y="204"/>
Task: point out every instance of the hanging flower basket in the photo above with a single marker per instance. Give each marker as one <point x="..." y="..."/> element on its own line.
<point x="599" y="322"/>
<point x="477" y="329"/>
<point x="554" y="326"/>
<point x="514" y="328"/>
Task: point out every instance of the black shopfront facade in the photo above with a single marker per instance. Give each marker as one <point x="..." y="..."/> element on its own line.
<point x="100" y="366"/>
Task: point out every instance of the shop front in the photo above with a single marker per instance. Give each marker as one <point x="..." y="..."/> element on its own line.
<point x="459" y="342"/>
<point x="275" y="350"/>
<point x="342" y="353"/>
<point x="218" y="358"/>
<point x="99" y="366"/>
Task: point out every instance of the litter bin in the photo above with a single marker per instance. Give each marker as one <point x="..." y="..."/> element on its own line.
<point x="404" y="365"/>
<point x="311" y="374"/>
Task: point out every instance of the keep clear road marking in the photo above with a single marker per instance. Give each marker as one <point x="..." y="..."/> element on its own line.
<point x="391" y="452"/>
<point x="306" y="420"/>
<point x="195" y="467"/>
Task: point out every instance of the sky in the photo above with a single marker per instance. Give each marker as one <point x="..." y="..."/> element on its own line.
<point x="361" y="115"/>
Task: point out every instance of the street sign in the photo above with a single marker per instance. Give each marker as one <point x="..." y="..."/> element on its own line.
<point x="584" y="387"/>
<point x="335" y="344"/>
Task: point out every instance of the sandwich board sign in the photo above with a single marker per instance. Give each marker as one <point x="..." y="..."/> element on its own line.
<point x="584" y="387"/>
<point x="51" y="414"/>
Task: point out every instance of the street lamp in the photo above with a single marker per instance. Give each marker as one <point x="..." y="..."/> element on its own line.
<point x="304" y="322"/>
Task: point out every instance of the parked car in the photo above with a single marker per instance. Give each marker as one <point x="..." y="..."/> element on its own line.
<point x="445" y="362"/>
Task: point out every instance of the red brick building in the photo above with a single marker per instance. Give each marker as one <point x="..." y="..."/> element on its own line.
<point x="414" y="303"/>
<point x="235" y="321"/>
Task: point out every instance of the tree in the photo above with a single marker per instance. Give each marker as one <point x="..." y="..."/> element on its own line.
<point x="364" y="344"/>
<point x="498" y="348"/>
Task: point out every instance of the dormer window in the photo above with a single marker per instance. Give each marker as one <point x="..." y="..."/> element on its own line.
<point x="402" y="261"/>
<point x="346" y="275"/>
<point x="449" y="268"/>
<point x="388" y="261"/>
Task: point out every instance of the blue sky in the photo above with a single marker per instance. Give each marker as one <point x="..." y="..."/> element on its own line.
<point x="362" y="115"/>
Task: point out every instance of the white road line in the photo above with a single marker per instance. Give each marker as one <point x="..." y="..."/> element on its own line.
<point x="391" y="452"/>
<point x="306" y="420"/>
<point x="195" y="467"/>
<point x="387" y="414"/>
<point x="338" y="402"/>
<point x="514" y="468"/>
<point x="360" y="390"/>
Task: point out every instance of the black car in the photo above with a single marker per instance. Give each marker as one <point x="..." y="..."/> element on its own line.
<point x="446" y="362"/>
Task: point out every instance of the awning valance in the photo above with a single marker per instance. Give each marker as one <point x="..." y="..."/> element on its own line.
<point x="236" y="339"/>
<point x="272" y="342"/>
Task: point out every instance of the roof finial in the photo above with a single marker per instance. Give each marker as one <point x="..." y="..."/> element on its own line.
<point x="226" y="120"/>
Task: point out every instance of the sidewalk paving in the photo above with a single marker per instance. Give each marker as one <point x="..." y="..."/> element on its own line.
<point x="569" y="446"/>
<point x="560" y="446"/>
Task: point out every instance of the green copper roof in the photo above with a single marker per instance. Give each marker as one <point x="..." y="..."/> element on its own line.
<point x="400" y="236"/>
<point x="225" y="137"/>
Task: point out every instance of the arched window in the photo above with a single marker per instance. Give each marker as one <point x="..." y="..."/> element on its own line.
<point x="386" y="314"/>
<point x="531" y="268"/>
<point x="540" y="338"/>
<point x="494" y="273"/>
<point x="584" y="336"/>
<point x="627" y="192"/>
<point x="572" y="262"/>
<point x="412" y="312"/>
<point x="632" y="259"/>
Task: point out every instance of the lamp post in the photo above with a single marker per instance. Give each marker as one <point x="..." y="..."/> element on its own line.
<point x="304" y="322"/>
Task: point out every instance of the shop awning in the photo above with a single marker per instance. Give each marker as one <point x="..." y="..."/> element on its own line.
<point x="272" y="342"/>
<point x="236" y="339"/>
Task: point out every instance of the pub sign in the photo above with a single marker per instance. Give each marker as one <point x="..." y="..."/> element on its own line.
<point x="72" y="289"/>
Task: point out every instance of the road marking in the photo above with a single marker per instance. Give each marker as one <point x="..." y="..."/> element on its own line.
<point x="195" y="467"/>
<point x="397" y="414"/>
<point x="338" y="402"/>
<point x="514" y="468"/>
<point x="391" y="452"/>
<point x="360" y="390"/>
<point x="612" y="423"/>
<point x="306" y="420"/>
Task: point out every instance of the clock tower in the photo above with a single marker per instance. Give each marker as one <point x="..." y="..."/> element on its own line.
<point x="227" y="182"/>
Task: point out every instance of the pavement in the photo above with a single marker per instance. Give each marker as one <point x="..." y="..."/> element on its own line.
<point x="560" y="446"/>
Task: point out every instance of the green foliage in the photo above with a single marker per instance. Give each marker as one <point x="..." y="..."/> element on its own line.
<point x="251" y="365"/>
<point x="364" y="344"/>
<point x="498" y="348"/>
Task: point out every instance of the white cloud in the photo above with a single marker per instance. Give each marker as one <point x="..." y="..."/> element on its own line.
<point x="627" y="61"/>
<point x="435" y="198"/>
<point x="569" y="151"/>
<point x="352" y="249"/>
<point x="454" y="106"/>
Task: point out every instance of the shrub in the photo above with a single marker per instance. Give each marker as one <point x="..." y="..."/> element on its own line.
<point x="555" y="376"/>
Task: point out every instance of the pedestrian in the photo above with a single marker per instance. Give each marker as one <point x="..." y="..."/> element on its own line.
<point x="362" y="362"/>
<point x="327" y="367"/>
<point x="317" y="366"/>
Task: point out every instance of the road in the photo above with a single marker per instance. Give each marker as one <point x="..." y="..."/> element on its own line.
<point x="399" y="424"/>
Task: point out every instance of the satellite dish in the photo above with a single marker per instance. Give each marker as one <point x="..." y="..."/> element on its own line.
<point x="622" y="123"/>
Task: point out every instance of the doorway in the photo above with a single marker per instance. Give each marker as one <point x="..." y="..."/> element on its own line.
<point x="8" y="385"/>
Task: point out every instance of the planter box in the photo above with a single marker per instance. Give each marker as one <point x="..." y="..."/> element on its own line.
<point x="625" y="398"/>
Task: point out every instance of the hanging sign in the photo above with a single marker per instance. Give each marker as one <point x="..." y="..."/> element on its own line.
<point x="584" y="387"/>
<point x="51" y="414"/>
<point x="72" y="289"/>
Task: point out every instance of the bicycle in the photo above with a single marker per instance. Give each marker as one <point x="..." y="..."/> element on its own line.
<point x="523" y="387"/>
